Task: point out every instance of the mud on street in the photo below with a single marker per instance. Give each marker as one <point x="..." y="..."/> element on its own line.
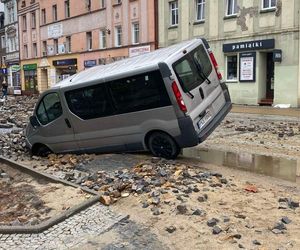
<point x="183" y="204"/>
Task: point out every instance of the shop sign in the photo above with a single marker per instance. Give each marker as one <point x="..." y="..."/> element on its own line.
<point x="17" y="90"/>
<point x="65" y="62"/>
<point x="90" y="63"/>
<point x="249" y="45"/>
<point x="55" y="30"/>
<point x="135" y="51"/>
<point x="28" y="67"/>
<point x="277" y="55"/>
<point x="12" y="56"/>
<point x="4" y="71"/>
<point x="15" y="68"/>
<point x="247" y="67"/>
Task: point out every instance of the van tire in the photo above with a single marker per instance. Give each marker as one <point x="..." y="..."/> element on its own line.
<point x="41" y="150"/>
<point x="163" y="145"/>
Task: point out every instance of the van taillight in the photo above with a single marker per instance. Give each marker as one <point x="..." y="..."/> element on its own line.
<point x="179" y="98"/>
<point x="214" y="62"/>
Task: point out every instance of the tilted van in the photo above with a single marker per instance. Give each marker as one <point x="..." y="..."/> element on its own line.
<point x="162" y="101"/>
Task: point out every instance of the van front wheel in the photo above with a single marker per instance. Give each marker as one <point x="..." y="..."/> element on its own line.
<point x="163" y="145"/>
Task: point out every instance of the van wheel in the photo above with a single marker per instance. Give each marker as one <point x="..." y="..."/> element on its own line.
<point x="163" y="145"/>
<point x="42" y="151"/>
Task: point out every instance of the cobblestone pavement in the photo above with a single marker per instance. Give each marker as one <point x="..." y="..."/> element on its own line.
<point x="75" y="230"/>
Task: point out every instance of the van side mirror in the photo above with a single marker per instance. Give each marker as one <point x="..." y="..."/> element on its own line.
<point x="34" y="122"/>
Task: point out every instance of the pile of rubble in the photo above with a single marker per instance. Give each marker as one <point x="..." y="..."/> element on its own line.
<point x="15" y="113"/>
<point x="282" y="129"/>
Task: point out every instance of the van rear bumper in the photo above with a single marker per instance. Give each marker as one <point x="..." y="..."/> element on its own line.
<point x="189" y="136"/>
<point x="215" y="122"/>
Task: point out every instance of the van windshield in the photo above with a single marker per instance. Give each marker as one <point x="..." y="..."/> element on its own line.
<point x="188" y="68"/>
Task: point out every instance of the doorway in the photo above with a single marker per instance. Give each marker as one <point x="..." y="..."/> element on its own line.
<point x="270" y="77"/>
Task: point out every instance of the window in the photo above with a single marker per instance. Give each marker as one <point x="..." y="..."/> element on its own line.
<point x="24" y="23"/>
<point x="89" y="41"/>
<point x="67" y="8"/>
<point x="25" y="51"/>
<point x="11" y="15"/>
<point x="34" y="48"/>
<point x="33" y="21"/>
<point x="118" y="1"/>
<point x="118" y="36"/>
<point x="232" y="68"/>
<point x="44" y="16"/>
<point x="231" y="7"/>
<point x="139" y="92"/>
<point x="49" y="109"/>
<point x="68" y="44"/>
<point x="200" y="10"/>
<point x="268" y="4"/>
<point x="173" y="13"/>
<point x="88" y="4"/>
<point x="192" y="69"/>
<point x="135" y="33"/>
<point x="3" y="45"/>
<point x="54" y="13"/>
<point x="102" y="39"/>
<point x="90" y="102"/>
<point x="103" y="3"/>
<point x="44" y="48"/>
<point x="55" y="46"/>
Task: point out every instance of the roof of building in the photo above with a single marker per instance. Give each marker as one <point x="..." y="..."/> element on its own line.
<point x="145" y="61"/>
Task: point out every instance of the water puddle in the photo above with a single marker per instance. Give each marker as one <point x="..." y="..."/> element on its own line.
<point x="267" y="165"/>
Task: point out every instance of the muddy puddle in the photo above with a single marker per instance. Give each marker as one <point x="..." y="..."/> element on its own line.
<point x="267" y="165"/>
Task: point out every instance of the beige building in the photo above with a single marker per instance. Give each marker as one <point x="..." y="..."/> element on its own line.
<point x="61" y="37"/>
<point x="255" y="42"/>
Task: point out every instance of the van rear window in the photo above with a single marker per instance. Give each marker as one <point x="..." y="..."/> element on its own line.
<point x="188" y="71"/>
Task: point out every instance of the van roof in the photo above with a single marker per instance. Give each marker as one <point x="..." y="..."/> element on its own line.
<point x="145" y="61"/>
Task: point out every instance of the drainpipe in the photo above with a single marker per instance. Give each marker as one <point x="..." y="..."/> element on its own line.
<point x="156" y="24"/>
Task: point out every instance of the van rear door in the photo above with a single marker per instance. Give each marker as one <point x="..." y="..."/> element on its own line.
<point x="200" y="84"/>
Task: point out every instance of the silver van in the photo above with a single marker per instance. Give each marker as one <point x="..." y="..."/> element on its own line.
<point x="162" y="101"/>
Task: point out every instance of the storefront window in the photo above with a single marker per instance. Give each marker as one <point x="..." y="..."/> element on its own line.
<point x="232" y="68"/>
<point x="30" y="80"/>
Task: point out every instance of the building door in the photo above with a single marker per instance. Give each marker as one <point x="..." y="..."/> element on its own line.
<point x="270" y="77"/>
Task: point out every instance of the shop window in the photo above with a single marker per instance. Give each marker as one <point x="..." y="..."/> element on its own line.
<point x="231" y="7"/>
<point x="173" y="13"/>
<point x="49" y="109"/>
<point x="135" y="33"/>
<point x="232" y="68"/>
<point x="200" y="10"/>
<point x="268" y="4"/>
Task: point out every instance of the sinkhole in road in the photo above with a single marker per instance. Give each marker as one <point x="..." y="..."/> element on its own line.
<point x="282" y="168"/>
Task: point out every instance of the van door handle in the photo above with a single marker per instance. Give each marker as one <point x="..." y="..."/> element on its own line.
<point x="68" y="123"/>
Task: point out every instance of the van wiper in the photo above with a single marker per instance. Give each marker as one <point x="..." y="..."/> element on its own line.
<point x="198" y="66"/>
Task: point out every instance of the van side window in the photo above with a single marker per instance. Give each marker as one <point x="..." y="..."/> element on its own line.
<point x="139" y="92"/>
<point x="49" y="109"/>
<point x="89" y="102"/>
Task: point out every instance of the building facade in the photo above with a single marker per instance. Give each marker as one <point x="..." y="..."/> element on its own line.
<point x="255" y="42"/>
<point x="70" y="36"/>
<point x="2" y="48"/>
<point x="12" y="59"/>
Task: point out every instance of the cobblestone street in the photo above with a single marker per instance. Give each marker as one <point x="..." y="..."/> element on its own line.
<point x="75" y="230"/>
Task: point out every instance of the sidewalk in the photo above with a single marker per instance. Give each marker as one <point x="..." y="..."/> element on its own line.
<point x="265" y="110"/>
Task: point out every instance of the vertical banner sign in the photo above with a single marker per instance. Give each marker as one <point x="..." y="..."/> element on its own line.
<point x="247" y="67"/>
